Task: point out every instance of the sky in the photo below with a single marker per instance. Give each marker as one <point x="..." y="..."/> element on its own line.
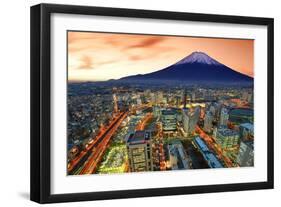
<point x="96" y="56"/>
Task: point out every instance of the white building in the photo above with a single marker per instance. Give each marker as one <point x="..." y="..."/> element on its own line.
<point x="190" y="119"/>
<point x="159" y="97"/>
<point x="185" y="120"/>
<point x="223" y="117"/>
<point x="208" y="121"/>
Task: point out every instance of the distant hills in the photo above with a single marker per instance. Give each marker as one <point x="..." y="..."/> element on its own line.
<point x="196" y="68"/>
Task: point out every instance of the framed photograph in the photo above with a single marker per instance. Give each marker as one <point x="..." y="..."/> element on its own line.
<point x="133" y="103"/>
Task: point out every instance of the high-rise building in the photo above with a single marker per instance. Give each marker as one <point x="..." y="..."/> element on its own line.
<point x="245" y="96"/>
<point x="159" y="97"/>
<point x="246" y="131"/>
<point x="245" y="156"/>
<point x="139" y="102"/>
<point x="190" y="119"/>
<point x="115" y="103"/>
<point x="226" y="138"/>
<point x="178" y="158"/>
<point x="153" y="98"/>
<point x="146" y="92"/>
<point x="213" y="110"/>
<point x="223" y="117"/>
<point x="156" y="111"/>
<point x="185" y="120"/>
<point x="193" y="96"/>
<point x="184" y="99"/>
<point x="208" y="121"/>
<point x="178" y="101"/>
<point x="140" y="151"/>
<point x="169" y="120"/>
<point x="194" y="118"/>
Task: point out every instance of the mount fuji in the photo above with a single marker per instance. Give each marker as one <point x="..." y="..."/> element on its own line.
<point x="196" y="68"/>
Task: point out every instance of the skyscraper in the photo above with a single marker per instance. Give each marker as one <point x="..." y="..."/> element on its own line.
<point x="190" y="119"/>
<point x="193" y="96"/>
<point x="115" y="103"/>
<point x="185" y="120"/>
<point x="246" y="131"/>
<point x="184" y="99"/>
<point x="245" y="156"/>
<point x="169" y="119"/>
<point x="159" y="97"/>
<point x="156" y="111"/>
<point x="194" y="117"/>
<point x="153" y="98"/>
<point x="208" y="121"/>
<point x="223" y="117"/>
<point x="226" y="138"/>
<point x="140" y="151"/>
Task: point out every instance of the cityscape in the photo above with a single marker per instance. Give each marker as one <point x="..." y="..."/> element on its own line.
<point x="195" y="113"/>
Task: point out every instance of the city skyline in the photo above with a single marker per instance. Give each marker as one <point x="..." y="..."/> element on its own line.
<point x="178" y="103"/>
<point x="103" y="56"/>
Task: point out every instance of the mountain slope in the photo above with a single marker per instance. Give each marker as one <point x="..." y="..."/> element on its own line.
<point x="198" y="67"/>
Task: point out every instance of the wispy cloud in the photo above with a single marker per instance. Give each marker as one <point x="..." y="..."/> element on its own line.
<point x="86" y="62"/>
<point x="108" y="55"/>
<point x="147" y="42"/>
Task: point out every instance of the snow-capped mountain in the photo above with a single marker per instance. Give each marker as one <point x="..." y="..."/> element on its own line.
<point x="198" y="57"/>
<point x="197" y="68"/>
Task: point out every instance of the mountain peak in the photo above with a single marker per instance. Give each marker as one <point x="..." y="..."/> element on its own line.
<point x="198" y="67"/>
<point x="198" y="57"/>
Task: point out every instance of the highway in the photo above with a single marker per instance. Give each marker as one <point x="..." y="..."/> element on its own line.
<point x="142" y="124"/>
<point x="99" y="150"/>
<point x="76" y="166"/>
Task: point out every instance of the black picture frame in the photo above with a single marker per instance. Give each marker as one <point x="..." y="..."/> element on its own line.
<point x="41" y="98"/>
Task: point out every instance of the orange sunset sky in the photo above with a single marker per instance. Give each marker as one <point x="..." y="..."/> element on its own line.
<point x="102" y="56"/>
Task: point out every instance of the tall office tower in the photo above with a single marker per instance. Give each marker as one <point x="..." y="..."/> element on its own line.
<point x="193" y="96"/>
<point x="156" y="111"/>
<point x="190" y="119"/>
<point x="140" y="151"/>
<point x="139" y="102"/>
<point x="245" y="156"/>
<point x="208" y="121"/>
<point x="226" y="138"/>
<point x="178" y="101"/>
<point x="184" y="99"/>
<point x="246" y="131"/>
<point x="194" y="118"/>
<point x="169" y="120"/>
<point x="115" y="103"/>
<point x="185" y="120"/>
<point x="146" y="92"/>
<point x="153" y="98"/>
<point x="212" y="109"/>
<point x="223" y="117"/>
<point x="159" y="97"/>
<point x="245" y="95"/>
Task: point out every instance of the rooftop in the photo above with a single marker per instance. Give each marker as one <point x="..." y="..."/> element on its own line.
<point x="201" y="144"/>
<point x="248" y="126"/>
<point x="139" y="137"/>
<point x="227" y="132"/>
<point x="212" y="160"/>
<point x="169" y="112"/>
<point x="249" y="143"/>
